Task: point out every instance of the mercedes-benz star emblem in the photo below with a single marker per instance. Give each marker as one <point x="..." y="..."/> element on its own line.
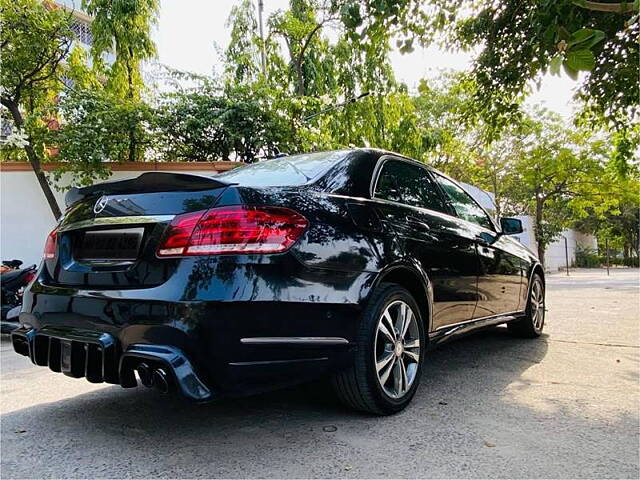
<point x="100" y="204"/>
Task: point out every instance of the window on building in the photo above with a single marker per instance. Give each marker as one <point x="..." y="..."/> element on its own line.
<point x="82" y="32"/>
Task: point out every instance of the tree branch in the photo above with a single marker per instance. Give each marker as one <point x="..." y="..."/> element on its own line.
<point x="621" y="8"/>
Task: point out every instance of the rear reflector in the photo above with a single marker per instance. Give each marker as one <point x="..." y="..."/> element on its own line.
<point x="51" y="244"/>
<point x="232" y="230"/>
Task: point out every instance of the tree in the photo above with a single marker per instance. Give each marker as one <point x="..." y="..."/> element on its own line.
<point x="243" y="53"/>
<point x="621" y="224"/>
<point x="97" y="129"/>
<point x="518" y="42"/>
<point x="123" y="27"/>
<point x="207" y="122"/>
<point x="449" y="139"/>
<point x="558" y="177"/>
<point x="35" y="38"/>
<point x="300" y="27"/>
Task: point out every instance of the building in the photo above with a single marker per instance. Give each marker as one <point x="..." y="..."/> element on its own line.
<point x="81" y="27"/>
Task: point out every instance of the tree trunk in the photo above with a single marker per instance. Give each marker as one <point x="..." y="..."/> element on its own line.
<point x="34" y="160"/>
<point x="133" y="145"/>
<point x="621" y="8"/>
<point x="300" y="89"/>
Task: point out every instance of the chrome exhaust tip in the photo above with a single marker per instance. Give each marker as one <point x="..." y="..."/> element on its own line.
<point x="145" y="374"/>
<point x="161" y="380"/>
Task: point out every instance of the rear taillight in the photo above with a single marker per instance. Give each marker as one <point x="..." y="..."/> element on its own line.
<point x="28" y="277"/>
<point x="51" y="244"/>
<point x="232" y="230"/>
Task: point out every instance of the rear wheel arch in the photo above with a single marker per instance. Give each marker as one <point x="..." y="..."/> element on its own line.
<point x="416" y="283"/>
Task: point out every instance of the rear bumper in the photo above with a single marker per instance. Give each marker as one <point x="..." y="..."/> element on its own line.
<point x="209" y="349"/>
<point x="98" y="358"/>
<point x="234" y="329"/>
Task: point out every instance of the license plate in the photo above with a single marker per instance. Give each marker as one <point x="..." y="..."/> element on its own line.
<point x="121" y="244"/>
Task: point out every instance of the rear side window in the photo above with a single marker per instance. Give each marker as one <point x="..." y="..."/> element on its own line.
<point x="409" y="184"/>
<point x="465" y="206"/>
<point x="286" y="171"/>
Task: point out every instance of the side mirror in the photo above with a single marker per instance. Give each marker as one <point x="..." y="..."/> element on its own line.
<point x="511" y="226"/>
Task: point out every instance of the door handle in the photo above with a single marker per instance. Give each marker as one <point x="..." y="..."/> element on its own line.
<point x="416" y="223"/>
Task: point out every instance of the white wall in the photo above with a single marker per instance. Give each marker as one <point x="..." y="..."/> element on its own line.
<point x="555" y="256"/>
<point x="25" y="218"/>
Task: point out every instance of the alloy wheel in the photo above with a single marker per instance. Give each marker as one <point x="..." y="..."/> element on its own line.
<point x="537" y="305"/>
<point x="397" y="349"/>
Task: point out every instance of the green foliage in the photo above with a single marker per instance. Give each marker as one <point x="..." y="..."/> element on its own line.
<point x="587" y="257"/>
<point x="123" y="28"/>
<point x="34" y="37"/>
<point x="558" y="176"/>
<point x="206" y="123"/>
<point x="516" y="43"/>
<point x="98" y="128"/>
<point x="34" y="40"/>
<point x="243" y="54"/>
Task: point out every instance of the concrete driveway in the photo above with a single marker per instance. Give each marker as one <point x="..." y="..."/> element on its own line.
<point x="564" y="405"/>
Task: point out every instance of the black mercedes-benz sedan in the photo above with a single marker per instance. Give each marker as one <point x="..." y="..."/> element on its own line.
<point x="348" y="264"/>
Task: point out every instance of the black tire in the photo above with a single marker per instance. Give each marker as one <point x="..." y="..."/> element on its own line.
<point x="360" y="387"/>
<point x="531" y="325"/>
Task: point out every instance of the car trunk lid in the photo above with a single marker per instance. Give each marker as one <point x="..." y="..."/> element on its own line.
<point x="110" y="231"/>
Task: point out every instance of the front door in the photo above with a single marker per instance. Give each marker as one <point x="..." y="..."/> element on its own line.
<point x="500" y="273"/>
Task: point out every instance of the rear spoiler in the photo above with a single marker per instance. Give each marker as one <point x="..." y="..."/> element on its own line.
<point x="148" y="182"/>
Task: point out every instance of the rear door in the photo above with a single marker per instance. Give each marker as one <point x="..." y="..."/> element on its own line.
<point x="501" y="271"/>
<point x="411" y="205"/>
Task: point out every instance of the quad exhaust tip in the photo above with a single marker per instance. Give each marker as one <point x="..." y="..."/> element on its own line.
<point x="161" y="380"/>
<point x="154" y="377"/>
<point x="145" y="374"/>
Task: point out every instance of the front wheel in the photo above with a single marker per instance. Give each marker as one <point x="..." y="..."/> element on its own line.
<point x="533" y="322"/>
<point x="388" y="363"/>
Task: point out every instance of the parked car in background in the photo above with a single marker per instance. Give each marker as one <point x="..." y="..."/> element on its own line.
<point x="346" y="263"/>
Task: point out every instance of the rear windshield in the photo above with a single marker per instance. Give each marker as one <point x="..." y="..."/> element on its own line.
<point x="285" y="171"/>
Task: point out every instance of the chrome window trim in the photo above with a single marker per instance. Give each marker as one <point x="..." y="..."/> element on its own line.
<point x="420" y="209"/>
<point x="115" y="221"/>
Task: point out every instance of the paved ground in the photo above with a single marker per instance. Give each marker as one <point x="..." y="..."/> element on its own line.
<point x="565" y="405"/>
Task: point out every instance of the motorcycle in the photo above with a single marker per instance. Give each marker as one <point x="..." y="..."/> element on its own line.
<point x="13" y="281"/>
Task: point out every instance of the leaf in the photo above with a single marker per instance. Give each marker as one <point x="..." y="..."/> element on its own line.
<point x="563" y="33"/>
<point x="407" y="47"/>
<point x="554" y="65"/>
<point x="573" y="74"/>
<point x="580" y="60"/>
<point x="585" y="38"/>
